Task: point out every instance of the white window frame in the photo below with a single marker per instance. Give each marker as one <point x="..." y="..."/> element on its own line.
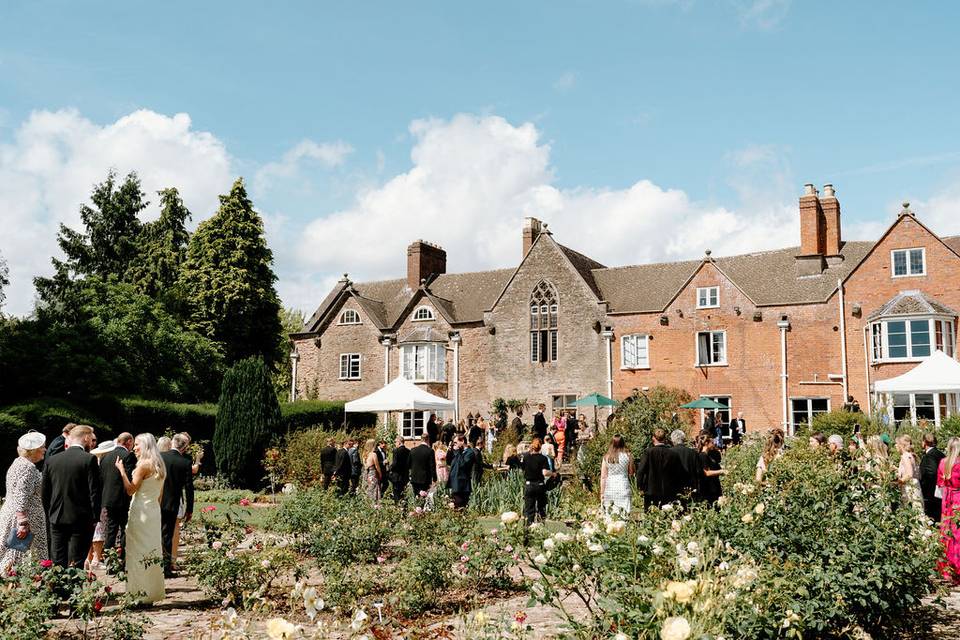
<point x="709" y="294"/>
<point x="427" y="314"/>
<point x="343" y="314"/>
<point x="717" y="398"/>
<point x="349" y="359"/>
<point x="413" y="424"/>
<point x="434" y="364"/>
<point x="719" y="363"/>
<point x="636" y="339"/>
<point x="908" y="274"/>
<point x="809" y="412"/>
<point x="563" y="397"/>
<point x="880" y="341"/>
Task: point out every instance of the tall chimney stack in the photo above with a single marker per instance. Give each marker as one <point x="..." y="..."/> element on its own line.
<point x="424" y="261"/>
<point x="831" y="215"/>
<point x="531" y="231"/>
<point x="812" y="233"/>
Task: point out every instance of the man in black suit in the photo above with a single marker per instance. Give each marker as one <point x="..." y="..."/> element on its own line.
<point x="689" y="481"/>
<point x="540" y="422"/>
<point x="177" y="483"/>
<point x="929" y="464"/>
<point x="738" y="428"/>
<point x="343" y="469"/>
<point x="659" y="472"/>
<point x="517" y="424"/>
<point x="433" y="429"/>
<point x="423" y="469"/>
<point x="58" y="444"/>
<point x="447" y="431"/>
<point x="328" y="460"/>
<point x="70" y="493"/>
<point x="400" y="470"/>
<point x="356" y="466"/>
<point x="114" y="497"/>
<point x="710" y="424"/>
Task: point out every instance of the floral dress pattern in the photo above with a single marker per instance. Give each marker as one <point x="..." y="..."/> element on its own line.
<point x="443" y="471"/>
<point x="23" y="496"/>
<point x="373" y="484"/>
<point x="617" y="493"/>
<point x="949" y="567"/>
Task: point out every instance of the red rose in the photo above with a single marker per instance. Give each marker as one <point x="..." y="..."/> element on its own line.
<point x="46" y="564"/>
<point x="97" y="605"/>
<point x="108" y="589"/>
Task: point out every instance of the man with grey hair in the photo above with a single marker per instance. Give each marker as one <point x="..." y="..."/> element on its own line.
<point x="690" y="463"/>
<point x="177" y="484"/>
<point x="835" y="442"/>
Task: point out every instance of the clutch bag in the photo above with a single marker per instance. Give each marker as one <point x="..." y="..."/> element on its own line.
<point x="19" y="544"/>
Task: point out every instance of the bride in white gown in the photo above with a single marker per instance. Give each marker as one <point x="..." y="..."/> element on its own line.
<point x="144" y="551"/>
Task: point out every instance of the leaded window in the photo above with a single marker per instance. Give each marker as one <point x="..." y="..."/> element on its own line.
<point x="544" y="321"/>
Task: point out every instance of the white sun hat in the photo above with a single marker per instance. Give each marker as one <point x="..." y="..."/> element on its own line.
<point x="31" y="440"/>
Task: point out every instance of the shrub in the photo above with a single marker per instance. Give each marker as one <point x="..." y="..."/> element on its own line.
<point x="420" y="578"/>
<point x="303" y="414"/>
<point x="248" y="412"/>
<point x="299" y="456"/>
<point x="839" y="422"/>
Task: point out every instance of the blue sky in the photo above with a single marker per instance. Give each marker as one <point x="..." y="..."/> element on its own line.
<point x="362" y="126"/>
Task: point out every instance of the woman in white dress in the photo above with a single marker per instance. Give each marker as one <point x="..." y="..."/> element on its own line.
<point x="615" y="473"/>
<point x="144" y="551"/>
<point x="908" y="473"/>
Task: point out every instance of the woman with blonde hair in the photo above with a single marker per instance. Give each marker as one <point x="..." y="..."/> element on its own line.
<point x="772" y="449"/>
<point x="510" y="458"/>
<point x="372" y="471"/>
<point x="948" y="483"/>
<point x="615" y="473"/>
<point x="144" y="553"/>
<point x="908" y="472"/>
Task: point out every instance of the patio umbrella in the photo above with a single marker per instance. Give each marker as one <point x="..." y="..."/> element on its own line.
<point x="595" y="400"/>
<point x="703" y="403"/>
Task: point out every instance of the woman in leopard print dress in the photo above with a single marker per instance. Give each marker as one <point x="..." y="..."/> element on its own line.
<point x="23" y="511"/>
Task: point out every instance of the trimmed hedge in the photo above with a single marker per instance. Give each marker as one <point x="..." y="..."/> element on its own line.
<point x="305" y="414"/>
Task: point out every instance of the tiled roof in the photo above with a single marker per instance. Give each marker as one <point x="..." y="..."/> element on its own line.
<point x="953" y="242"/>
<point x="910" y="303"/>
<point x="423" y="334"/>
<point x="585" y="266"/>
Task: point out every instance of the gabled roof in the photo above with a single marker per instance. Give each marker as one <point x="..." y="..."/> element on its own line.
<point x="911" y="303"/>
<point x="585" y="266"/>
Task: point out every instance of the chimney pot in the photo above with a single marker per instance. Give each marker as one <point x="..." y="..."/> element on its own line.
<point x="808" y="189"/>
<point x="828" y="191"/>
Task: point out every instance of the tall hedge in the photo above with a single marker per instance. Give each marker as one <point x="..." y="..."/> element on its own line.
<point x="247" y="414"/>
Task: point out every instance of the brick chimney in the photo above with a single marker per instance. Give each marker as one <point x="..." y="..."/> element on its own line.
<point x="531" y="231"/>
<point x="831" y="215"/>
<point x="813" y="232"/>
<point x="424" y="261"/>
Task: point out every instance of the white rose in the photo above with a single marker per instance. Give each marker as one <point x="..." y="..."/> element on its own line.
<point x="280" y="629"/>
<point x="657" y="550"/>
<point x="676" y="525"/>
<point x="620" y="636"/>
<point x="595" y="547"/>
<point x="682" y="592"/>
<point x="759" y="509"/>
<point x="509" y="517"/>
<point x="540" y="559"/>
<point x="216" y="545"/>
<point x="747" y="518"/>
<point x="693" y="547"/>
<point x="723" y="501"/>
<point x="616" y="527"/>
<point x="723" y="566"/>
<point x="667" y="507"/>
<point x="536" y="525"/>
<point x="643" y="539"/>
<point x="675" y="628"/>
<point x="560" y="536"/>
<point x="549" y="544"/>
<point x="358" y="619"/>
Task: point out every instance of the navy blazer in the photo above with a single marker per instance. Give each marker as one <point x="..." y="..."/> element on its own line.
<point x="461" y="470"/>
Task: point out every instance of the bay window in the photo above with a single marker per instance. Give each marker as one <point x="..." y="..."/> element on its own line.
<point x="423" y="362"/>
<point x="910" y="338"/>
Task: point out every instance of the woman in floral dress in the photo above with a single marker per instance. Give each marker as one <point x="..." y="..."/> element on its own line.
<point x="948" y="481"/>
<point x="440" y="456"/>
<point x="372" y="473"/>
<point x="908" y="473"/>
<point x="23" y="510"/>
<point x="615" y="473"/>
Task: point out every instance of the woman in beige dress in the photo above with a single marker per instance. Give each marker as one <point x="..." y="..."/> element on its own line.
<point x="144" y="550"/>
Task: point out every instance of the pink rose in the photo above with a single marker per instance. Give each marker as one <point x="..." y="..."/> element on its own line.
<point x="244" y="502"/>
<point x="464" y="546"/>
<point x="209" y="508"/>
<point x="423" y="494"/>
<point x="381" y="559"/>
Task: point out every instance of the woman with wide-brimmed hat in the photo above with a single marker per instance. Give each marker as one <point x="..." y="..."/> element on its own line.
<point x="23" y="528"/>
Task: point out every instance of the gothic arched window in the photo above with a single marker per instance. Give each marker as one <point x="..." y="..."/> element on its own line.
<point x="543" y="323"/>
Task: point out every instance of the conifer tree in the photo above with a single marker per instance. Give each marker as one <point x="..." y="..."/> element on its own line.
<point x="227" y="281"/>
<point x="163" y="247"/>
<point x="247" y="414"/>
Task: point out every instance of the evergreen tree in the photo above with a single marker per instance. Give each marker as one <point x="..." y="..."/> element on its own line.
<point x="109" y="243"/>
<point x="247" y="414"/>
<point x="163" y="247"/>
<point x="227" y="281"/>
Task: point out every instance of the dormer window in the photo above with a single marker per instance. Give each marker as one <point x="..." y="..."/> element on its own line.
<point x="349" y="316"/>
<point x="423" y="313"/>
<point x="708" y="297"/>
<point x="908" y="262"/>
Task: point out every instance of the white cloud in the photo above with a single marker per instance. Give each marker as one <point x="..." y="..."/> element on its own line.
<point x="475" y="177"/>
<point x="54" y="159"/>
<point x="566" y="81"/>
<point x="761" y="14"/>
<point x="327" y="154"/>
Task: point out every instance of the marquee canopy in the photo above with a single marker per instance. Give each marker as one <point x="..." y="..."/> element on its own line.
<point x="938" y="373"/>
<point x="399" y="395"/>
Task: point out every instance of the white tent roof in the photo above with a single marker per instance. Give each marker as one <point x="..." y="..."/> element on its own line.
<point x="939" y="372"/>
<point x="399" y="395"/>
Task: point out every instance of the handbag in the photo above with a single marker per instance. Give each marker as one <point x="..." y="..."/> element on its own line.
<point x="19" y="544"/>
<point x="938" y="492"/>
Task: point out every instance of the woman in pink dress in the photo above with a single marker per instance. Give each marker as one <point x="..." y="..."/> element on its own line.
<point x="440" y="455"/>
<point x="948" y="482"/>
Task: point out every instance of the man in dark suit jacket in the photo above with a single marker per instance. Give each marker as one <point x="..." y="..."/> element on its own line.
<point x="659" y="472"/>
<point x="343" y="469"/>
<point x="70" y="493"/>
<point x="58" y="444"/>
<point x="423" y="469"/>
<point x="114" y="497"/>
<point x="929" y="463"/>
<point x="328" y="460"/>
<point x="433" y="429"/>
<point x="738" y="428"/>
<point x="540" y="423"/>
<point x="381" y="452"/>
<point x="517" y="424"/>
<point x="462" y="458"/>
<point x="400" y="470"/>
<point x="689" y="481"/>
<point x="177" y="483"/>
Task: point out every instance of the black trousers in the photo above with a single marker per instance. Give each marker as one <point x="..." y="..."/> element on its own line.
<point x="116" y="529"/>
<point x="327" y="477"/>
<point x="460" y="500"/>
<point x="354" y="483"/>
<point x="400" y="491"/>
<point x="534" y="501"/>
<point x="343" y="485"/>
<point x="70" y="544"/>
<point x="168" y="520"/>
<point x="933" y="508"/>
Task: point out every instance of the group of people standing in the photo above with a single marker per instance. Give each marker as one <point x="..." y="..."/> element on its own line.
<point x="67" y="502"/>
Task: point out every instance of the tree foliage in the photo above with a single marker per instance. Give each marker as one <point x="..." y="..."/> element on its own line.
<point x="291" y="321"/>
<point x="247" y="414"/>
<point x="163" y="247"/>
<point x="228" y="281"/>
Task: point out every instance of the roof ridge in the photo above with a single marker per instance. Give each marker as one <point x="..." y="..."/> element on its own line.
<point x="582" y="255"/>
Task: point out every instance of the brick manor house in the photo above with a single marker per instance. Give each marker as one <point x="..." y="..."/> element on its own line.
<point x="778" y="335"/>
